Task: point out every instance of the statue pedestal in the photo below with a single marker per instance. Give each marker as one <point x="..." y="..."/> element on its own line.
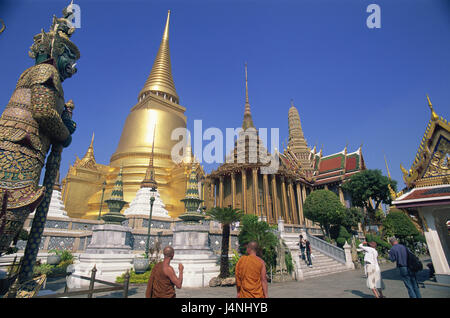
<point x="108" y="251"/>
<point x="191" y="245"/>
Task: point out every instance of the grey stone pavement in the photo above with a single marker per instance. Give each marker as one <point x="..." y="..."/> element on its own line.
<point x="349" y="284"/>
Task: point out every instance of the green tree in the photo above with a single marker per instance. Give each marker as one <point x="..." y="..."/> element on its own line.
<point x="351" y="218"/>
<point x="398" y="224"/>
<point x="369" y="185"/>
<point x="253" y="230"/>
<point x="225" y="216"/>
<point x="324" y="207"/>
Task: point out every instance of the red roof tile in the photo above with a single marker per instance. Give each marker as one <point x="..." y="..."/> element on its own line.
<point x="428" y="193"/>
<point x="330" y="164"/>
<point x="350" y="164"/>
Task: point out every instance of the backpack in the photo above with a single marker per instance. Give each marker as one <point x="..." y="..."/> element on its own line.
<point x="413" y="262"/>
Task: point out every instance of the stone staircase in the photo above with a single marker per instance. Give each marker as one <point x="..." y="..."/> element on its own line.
<point x="321" y="265"/>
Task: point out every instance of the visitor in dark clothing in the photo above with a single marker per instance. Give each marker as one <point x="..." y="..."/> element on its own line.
<point x="398" y="253"/>
<point x="308" y="253"/>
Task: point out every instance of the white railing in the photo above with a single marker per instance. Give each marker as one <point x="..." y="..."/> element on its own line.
<point x="326" y="248"/>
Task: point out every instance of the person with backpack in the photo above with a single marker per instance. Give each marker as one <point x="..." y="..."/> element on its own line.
<point x="408" y="265"/>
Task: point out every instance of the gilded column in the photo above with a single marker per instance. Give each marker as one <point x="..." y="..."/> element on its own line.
<point x="300" y="203"/>
<point x="285" y="204"/>
<point x="221" y="191"/>
<point x="255" y="190"/>
<point x="266" y="197"/>
<point x="213" y="203"/>
<point x="293" y="209"/>
<point x="275" y="198"/>
<point x="307" y="222"/>
<point x="341" y="196"/>
<point x="233" y="190"/>
<point x="244" y="191"/>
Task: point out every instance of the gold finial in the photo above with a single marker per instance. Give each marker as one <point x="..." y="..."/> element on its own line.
<point x="149" y="179"/>
<point x="434" y="116"/>
<point x="92" y="140"/>
<point x="3" y="26"/>
<point x="387" y="168"/>
<point x="246" y="85"/>
<point x="90" y="152"/>
<point x="248" y="121"/>
<point x="160" y="79"/>
<point x="166" y="28"/>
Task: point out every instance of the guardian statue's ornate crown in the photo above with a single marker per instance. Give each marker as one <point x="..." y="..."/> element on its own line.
<point x="52" y="43"/>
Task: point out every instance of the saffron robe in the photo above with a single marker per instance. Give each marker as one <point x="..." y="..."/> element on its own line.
<point x="248" y="277"/>
<point x="159" y="285"/>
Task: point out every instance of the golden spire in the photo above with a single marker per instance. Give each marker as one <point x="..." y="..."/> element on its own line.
<point x="387" y="168"/>
<point x="149" y="179"/>
<point x="297" y="140"/>
<point x="88" y="160"/>
<point x="434" y="116"/>
<point x="160" y="80"/>
<point x="248" y="121"/>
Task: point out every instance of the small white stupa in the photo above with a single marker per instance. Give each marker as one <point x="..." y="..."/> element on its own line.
<point x="141" y="202"/>
<point x="56" y="207"/>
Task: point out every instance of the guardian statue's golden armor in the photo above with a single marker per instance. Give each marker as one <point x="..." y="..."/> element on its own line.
<point x="35" y="118"/>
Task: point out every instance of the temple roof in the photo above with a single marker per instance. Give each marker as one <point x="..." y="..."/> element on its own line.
<point x="338" y="166"/>
<point x="431" y="165"/>
<point x="160" y="78"/>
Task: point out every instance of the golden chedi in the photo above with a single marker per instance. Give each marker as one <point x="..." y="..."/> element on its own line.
<point x="156" y="112"/>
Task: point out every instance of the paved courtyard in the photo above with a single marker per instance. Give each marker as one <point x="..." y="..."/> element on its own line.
<point x="350" y="284"/>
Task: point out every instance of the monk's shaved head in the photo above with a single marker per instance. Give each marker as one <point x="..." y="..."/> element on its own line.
<point x="168" y="251"/>
<point x="252" y="246"/>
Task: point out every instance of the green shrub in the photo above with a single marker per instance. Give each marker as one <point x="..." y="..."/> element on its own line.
<point x="135" y="278"/>
<point x="233" y="261"/>
<point x="289" y="263"/>
<point x="340" y="241"/>
<point x="42" y="269"/>
<point x="64" y="254"/>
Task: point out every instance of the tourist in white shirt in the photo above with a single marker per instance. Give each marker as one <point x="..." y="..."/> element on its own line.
<point x="374" y="280"/>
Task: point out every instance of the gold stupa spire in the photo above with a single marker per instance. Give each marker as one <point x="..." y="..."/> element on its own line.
<point x="149" y="179"/>
<point x="248" y="121"/>
<point x="160" y="80"/>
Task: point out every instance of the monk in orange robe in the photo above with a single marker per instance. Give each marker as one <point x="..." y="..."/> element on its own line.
<point x="163" y="279"/>
<point x="251" y="279"/>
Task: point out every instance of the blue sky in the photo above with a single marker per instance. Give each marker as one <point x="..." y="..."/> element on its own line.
<point x="351" y="84"/>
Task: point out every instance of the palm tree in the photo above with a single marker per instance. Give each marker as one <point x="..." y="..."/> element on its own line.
<point x="225" y="216"/>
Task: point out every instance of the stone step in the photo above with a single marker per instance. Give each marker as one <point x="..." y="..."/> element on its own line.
<point x="321" y="265"/>
<point x="323" y="273"/>
<point x="323" y="268"/>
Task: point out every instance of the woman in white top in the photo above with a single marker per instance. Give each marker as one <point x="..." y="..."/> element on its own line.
<point x="374" y="281"/>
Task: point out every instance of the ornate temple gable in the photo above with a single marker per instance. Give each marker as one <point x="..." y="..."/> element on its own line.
<point x="431" y="165"/>
<point x="88" y="161"/>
